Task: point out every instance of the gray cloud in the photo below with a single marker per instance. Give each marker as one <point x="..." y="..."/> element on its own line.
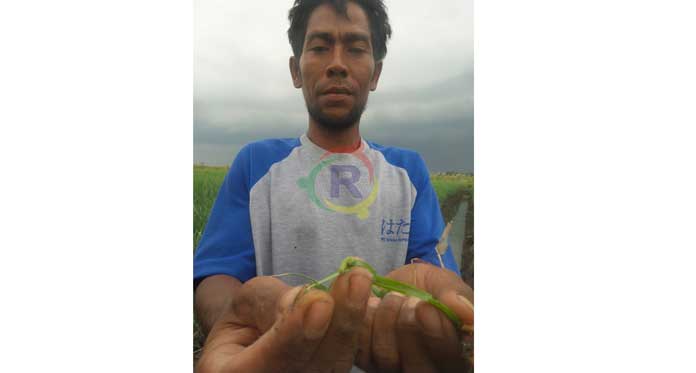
<point x="435" y="120"/>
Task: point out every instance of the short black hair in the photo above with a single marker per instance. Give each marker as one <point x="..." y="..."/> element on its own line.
<point x="376" y="14"/>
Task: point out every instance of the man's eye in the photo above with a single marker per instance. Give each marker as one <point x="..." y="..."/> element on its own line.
<point x="319" y="49"/>
<point x="356" y="50"/>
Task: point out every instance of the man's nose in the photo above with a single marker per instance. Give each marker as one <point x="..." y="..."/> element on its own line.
<point x="337" y="67"/>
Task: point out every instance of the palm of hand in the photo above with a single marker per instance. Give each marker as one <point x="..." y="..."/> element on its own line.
<point x="271" y="327"/>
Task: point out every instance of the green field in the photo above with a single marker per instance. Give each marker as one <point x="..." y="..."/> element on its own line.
<point x="450" y="189"/>
<point x="206" y="183"/>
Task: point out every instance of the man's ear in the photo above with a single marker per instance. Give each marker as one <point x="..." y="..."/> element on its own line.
<point x="295" y="72"/>
<point x="375" y="76"/>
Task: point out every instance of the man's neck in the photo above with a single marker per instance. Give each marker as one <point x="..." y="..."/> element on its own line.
<point x="345" y="141"/>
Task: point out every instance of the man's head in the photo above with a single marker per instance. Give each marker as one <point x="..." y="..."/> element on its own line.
<point x="338" y="48"/>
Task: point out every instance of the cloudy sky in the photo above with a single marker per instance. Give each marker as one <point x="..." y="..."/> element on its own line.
<point x="243" y="91"/>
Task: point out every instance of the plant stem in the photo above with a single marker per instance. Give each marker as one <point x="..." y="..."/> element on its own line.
<point x="382" y="285"/>
<point x="403" y="288"/>
<point x="321" y="282"/>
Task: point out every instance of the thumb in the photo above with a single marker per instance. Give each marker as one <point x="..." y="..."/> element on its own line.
<point x="451" y="290"/>
<point x="443" y="284"/>
<point x="460" y="305"/>
<point x="302" y="319"/>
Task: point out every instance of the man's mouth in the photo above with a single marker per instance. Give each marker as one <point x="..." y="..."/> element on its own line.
<point x="337" y="91"/>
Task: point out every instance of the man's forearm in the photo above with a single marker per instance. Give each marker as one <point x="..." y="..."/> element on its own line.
<point x="212" y="297"/>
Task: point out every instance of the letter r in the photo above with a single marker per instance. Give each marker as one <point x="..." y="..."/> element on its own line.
<point x="338" y="179"/>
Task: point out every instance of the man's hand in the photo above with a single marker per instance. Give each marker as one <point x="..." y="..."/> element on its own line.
<point x="271" y="327"/>
<point x="408" y="335"/>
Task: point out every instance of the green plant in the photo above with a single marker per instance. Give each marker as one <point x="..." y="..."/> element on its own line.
<point x="381" y="286"/>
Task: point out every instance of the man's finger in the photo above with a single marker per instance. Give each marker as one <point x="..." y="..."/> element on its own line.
<point x="443" y="284"/>
<point x="412" y="351"/>
<point x="222" y="342"/>
<point x="252" y="311"/>
<point x="440" y="339"/>
<point x="363" y="358"/>
<point x="385" y="351"/>
<point x="292" y="341"/>
<point x="451" y="290"/>
<point x="350" y="292"/>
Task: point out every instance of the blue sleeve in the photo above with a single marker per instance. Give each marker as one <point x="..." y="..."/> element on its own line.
<point x="227" y="246"/>
<point x="427" y="224"/>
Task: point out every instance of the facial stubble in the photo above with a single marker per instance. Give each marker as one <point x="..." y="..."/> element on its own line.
<point x="335" y="124"/>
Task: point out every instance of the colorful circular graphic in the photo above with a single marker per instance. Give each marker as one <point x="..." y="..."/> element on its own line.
<point x="359" y="209"/>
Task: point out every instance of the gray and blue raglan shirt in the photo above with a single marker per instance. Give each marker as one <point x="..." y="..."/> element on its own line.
<point x="287" y="205"/>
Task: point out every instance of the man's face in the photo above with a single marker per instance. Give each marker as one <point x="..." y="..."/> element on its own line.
<point x="336" y="70"/>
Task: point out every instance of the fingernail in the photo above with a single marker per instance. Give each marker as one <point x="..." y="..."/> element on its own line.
<point x="317" y="319"/>
<point x="291" y="298"/>
<point x="430" y="320"/>
<point x="468" y="318"/>
<point x="373" y="302"/>
<point x="412" y="302"/>
<point x="410" y="311"/>
<point x="396" y="294"/>
<point x="465" y="301"/>
<point x="360" y="279"/>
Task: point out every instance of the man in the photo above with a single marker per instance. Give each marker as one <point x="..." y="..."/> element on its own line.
<point x="302" y="205"/>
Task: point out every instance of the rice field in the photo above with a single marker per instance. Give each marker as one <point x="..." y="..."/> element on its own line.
<point x="451" y="188"/>
<point x="206" y="183"/>
<point x="447" y="184"/>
